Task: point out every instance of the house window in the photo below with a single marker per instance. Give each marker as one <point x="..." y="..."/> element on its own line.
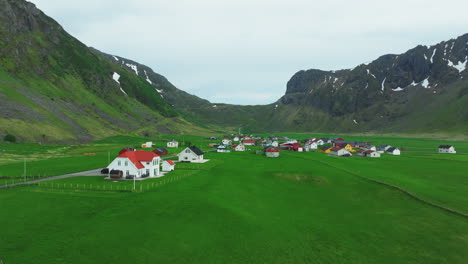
<point x="127" y="173"/>
<point x="118" y="163"/>
<point x="126" y="163"/>
<point x="147" y="172"/>
<point x="187" y="151"/>
<point x="155" y="172"/>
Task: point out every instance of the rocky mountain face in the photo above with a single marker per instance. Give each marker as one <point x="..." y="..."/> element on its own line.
<point x="385" y="94"/>
<point x="54" y="88"/>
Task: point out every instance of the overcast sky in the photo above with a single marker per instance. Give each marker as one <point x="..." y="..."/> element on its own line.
<point x="245" y="51"/>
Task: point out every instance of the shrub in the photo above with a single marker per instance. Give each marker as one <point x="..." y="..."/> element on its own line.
<point x="10" y="138"/>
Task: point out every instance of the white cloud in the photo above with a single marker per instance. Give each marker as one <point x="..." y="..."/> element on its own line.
<point x="190" y="41"/>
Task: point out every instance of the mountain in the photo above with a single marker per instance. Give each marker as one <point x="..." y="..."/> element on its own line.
<point x="422" y="90"/>
<point x="55" y="88"/>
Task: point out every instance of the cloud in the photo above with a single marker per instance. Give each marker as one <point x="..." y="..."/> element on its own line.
<point x="254" y="45"/>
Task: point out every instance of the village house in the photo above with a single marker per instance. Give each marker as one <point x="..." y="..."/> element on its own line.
<point x="147" y="145"/>
<point x="222" y="149"/>
<point x="319" y="141"/>
<point x="310" y="146"/>
<point x="173" y="144"/>
<point x="226" y="141"/>
<point x="339" y="152"/>
<point x="236" y="139"/>
<point x="382" y="148"/>
<point x="393" y="151"/>
<point x="368" y="153"/>
<point x="346" y="146"/>
<point x="138" y="163"/>
<point x="271" y="152"/>
<point x="248" y="142"/>
<point x="168" y="165"/>
<point x="240" y="147"/>
<point x="447" y="149"/>
<point x="325" y="149"/>
<point x="191" y="154"/>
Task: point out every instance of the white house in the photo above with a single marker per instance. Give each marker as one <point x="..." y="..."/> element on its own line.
<point x="291" y="141"/>
<point x="383" y="148"/>
<point x="310" y="146"/>
<point x="147" y="145"/>
<point x="340" y="152"/>
<point x="368" y="153"/>
<point x="222" y="148"/>
<point x="248" y="142"/>
<point x="226" y="141"/>
<point x="168" y="165"/>
<point x="191" y="154"/>
<point x="393" y="151"/>
<point x="236" y="139"/>
<point x="173" y="144"/>
<point x="272" y="152"/>
<point x="275" y="143"/>
<point x="137" y="163"/>
<point x="240" y="147"/>
<point x="447" y="149"/>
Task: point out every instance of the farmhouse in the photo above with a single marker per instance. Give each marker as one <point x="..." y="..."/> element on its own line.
<point x="161" y="151"/>
<point x="236" y="139"/>
<point x="137" y="163"/>
<point x="447" y="149"/>
<point x="168" y="165"/>
<point x="393" y="151"/>
<point x="240" y="147"/>
<point x="339" y="152"/>
<point x="173" y="144"/>
<point x="191" y="154"/>
<point x="271" y="152"/>
<point x="346" y="146"/>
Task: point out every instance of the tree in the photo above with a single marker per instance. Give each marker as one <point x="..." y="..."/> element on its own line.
<point x="10" y="138"/>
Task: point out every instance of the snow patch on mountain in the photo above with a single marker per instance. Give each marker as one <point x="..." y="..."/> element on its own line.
<point x="147" y="79"/>
<point x="425" y="83"/>
<point x="115" y="58"/>
<point x="369" y="73"/>
<point x="383" y="83"/>
<point x="433" y="54"/>
<point x="460" y="66"/>
<point x="116" y="77"/>
<point x="133" y="67"/>
<point x="398" y="89"/>
<point x="425" y="57"/>
<point x="355" y="122"/>
<point x="123" y="91"/>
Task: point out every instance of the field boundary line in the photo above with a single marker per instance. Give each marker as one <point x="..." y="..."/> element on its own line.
<point x="411" y="195"/>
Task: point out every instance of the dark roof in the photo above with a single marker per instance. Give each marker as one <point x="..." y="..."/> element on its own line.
<point x="391" y="149"/>
<point x="196" y="150"/>
<point x="324" y="148"/>
<point x="445" y="146"/>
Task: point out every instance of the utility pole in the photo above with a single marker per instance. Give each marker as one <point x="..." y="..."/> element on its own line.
<point x="134" y="182"/>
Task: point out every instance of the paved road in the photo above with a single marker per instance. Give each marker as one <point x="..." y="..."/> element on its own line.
<point x="95" y="172"/>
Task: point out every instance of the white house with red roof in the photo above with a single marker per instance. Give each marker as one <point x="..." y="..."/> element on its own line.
<point x="248" y="142"/>
<point x="139" y="163"/>
<point x="168" y="165"/>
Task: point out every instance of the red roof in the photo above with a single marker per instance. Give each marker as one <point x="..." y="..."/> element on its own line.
<point x="249" y="141"/>
<point x="272" y="150"/>
<point x="336" y="149"/>
<point x="170" y="162"/>
<point x="136" y="157"/>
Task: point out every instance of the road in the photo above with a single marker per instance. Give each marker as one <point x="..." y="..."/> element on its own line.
<point x="95" y="172"/>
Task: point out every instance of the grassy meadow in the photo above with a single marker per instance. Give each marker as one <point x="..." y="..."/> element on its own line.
<point x="240" y="208"/>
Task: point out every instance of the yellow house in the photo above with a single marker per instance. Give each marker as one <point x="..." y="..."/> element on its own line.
<point x="348" y="147"/>
<point x="325" y="149"/>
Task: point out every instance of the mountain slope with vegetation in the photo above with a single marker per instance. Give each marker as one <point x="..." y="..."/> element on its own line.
<point x="54" y="88"/>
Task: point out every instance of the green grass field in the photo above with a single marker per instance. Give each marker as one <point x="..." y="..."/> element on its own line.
<point x="244" y="208"/>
